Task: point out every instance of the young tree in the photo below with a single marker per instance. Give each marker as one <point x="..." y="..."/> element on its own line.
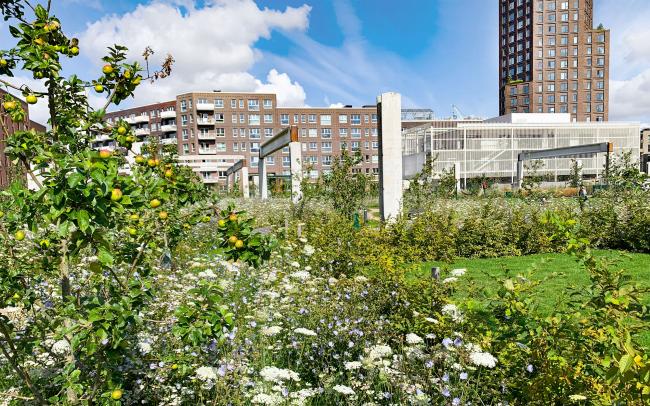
<point x="344" y="188"/>
<point x="94" y="229"/>
<point x="533" y="178"/>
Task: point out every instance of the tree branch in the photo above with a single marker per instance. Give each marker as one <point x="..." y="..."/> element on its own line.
<point x="12" y="360"/>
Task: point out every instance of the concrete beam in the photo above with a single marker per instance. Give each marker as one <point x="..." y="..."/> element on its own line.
<point x="389" y="109"/>
<point x="566" y="152"/>
<point x="236" y="167"/>
<point x="279" y="141"/>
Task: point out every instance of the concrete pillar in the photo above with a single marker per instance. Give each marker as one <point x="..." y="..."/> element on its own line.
<point x="227" y="183"/>
<point x="263" y="180"/>
<point x="295" y="154"/>
<point x="520" y="174"/>
<point x="389" y="108"/>
<point x="245" y="188"/>
<point x="457" y="175"/>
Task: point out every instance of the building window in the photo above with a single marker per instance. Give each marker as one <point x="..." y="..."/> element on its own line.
<point x="313" y="146"/>
<point x="355" y="133"/>
<point x="268" y="103"/>
<point x="355" y="119"/>
<point x="253" y="119"/>
<point x="255" y="147"/>
<point x="270" y="160"/>
<point x="268" y="118"/>
<point x="253" y="105"/>
<point x="312" y="118"/>
<point x="325" y="119"/>
<point x="218" y="103"/>
<point x="343" y="132"/>
<point x="233" y="103"/>
<point x="343" y="119"/>
<point x="254" y="134"/>
<point x="326" y="132"/>
<point x="313" y="132"/>
<point x="286" y="161"/>
<point x="284" y="119"/>
<point x="268" y="132"/>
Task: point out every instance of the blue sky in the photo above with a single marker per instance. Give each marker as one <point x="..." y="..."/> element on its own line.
<point x="324" y="52"/>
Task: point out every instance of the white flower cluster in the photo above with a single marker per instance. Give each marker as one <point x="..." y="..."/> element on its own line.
<point x="305" y="332"/>
<point x="483" y="359"/>
<point x="453" y="312"/>
<point x="206" y="374"/>
<point x="61" y="347"/>
<point x="413" y="339"/>
<point x="271" y="331"/>
<point x="274" y="374"/>
<point x="344" y="390"/>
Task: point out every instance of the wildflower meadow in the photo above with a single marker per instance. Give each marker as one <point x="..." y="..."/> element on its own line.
<point x="146" y="287"/>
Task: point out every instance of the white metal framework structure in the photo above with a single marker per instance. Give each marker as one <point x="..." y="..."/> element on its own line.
<point x="492" y="148"/>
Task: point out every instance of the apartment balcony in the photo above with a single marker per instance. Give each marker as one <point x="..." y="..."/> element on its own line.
<point x="137" y="119"/>
<point x="205" y="121"/>
<point x="142" y="132"/>
<point x="168" y="114"/>
<point x="207" y="151"/>
<point x="210" y="135"/>
<point x="102" y="137"/>
<point x="168" y="128"/>
<point x="168" y="141"/>
<point x="204" y="107"/>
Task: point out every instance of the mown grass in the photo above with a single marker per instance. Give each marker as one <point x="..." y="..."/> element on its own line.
<point x="560" y="271"/>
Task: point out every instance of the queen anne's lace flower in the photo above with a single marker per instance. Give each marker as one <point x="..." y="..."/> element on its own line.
<point x="413" y="339"/>
<point x="206" y="373"/>
<point x="344" y="390"/>
<point x="267" y="399"/>
<point x="274" y="374"/>
<point x="305" y="332"/>
<point x="452" y="311"/>
<point x="61" y="347"/>
<point x="271" y="331"/>
<point x="309" y="250"/>
<point x="483" y="359"/>
<point x="352" y="365"/>
<point x="458" y="272"/>
<point x="380" y="351"/>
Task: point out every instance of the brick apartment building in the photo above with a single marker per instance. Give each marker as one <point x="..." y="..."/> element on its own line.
<point x="8" y="171"/>
<point x="215" y="129"/>
<point x="552" y="59"/>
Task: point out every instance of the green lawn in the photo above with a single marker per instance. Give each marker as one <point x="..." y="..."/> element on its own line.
<point x="483" y="275"/>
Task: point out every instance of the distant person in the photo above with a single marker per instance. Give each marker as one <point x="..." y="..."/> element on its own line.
<point x="582" y="197"/>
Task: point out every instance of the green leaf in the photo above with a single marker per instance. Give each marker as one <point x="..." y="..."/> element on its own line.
<point x="75" y="179"/>
<point x="105" y="257"/>
<point x="83" y="219"/>
<point x="625" y="363"/>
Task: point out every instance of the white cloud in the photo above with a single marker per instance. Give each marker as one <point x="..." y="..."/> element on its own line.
<point x="630" y="99"/>
<point x="337" y="105"/>
<point x="214" y="46"/>
<point x="289" y="93"/>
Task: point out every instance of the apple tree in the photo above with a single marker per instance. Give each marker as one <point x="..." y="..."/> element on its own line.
<point x="80" y="248"/>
